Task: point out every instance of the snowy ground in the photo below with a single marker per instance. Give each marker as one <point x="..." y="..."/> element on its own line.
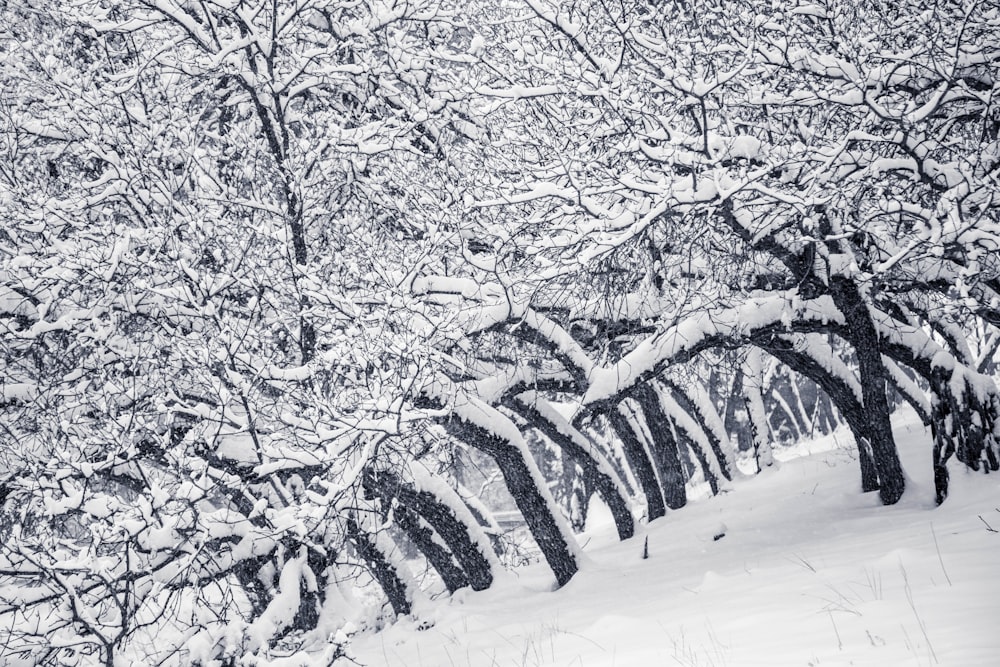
<point x="810" y="572"/>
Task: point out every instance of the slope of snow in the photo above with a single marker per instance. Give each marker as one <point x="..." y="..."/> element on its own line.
<point x="809" y="572"/>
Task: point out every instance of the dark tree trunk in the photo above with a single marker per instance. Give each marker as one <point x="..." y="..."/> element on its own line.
<point x="442" y="518"/>
<point x="842" y="397"/>
<point x="963" y="425"/>
<point x="944" y="448"/>
<point x="440" y="558"/>
<point x="872" y="374"/>
<point x="638" y="461"/>
<point x="524" y="488"/>
<point x="664" y="446"/>
<point x="692" y="409"/>
<point x="699" y="453"/>
<point x="383" y="571"/>
<point x="421" y="535"/>
<point x="603" y="482"/>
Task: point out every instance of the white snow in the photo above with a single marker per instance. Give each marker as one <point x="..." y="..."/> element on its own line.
<point x="810" y="572"/>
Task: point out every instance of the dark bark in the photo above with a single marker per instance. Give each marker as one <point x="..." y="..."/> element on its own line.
<point x="843" y="398"/>
<point x="731" y="422"/>
<point x="638" y="461"/>
<point x="521" y="484"/>
<point x="962" y="426"/>
<point x="421" y="535"/>
<point x="537" y="514"/>
<point x="702" y="456"/>
<point x="600" y="480"/>
<point x="664" y="446"/>
<point x="692" y="408"/>
<point x="440" y="558"/>
<point x="863" y="336"/>
<point x="441" y="517"/>
<point x="383" y="571"/>
<point x="307" y="330"/>
<point x="944" y="448"/>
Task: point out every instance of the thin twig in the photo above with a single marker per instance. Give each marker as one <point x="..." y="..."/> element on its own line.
<point x="940" y="559"/>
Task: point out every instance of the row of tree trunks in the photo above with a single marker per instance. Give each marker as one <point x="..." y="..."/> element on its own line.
<point x="559" y="434"/>
<point x="455" y="532"/>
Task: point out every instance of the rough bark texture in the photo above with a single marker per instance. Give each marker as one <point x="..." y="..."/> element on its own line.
<point x="864" y="338"/>
<point x="449" y="527"/>
<point x="421" y="535"/>
<point x="605" y="485"/>
<point x="440" y="558"/>
<point x="381" y="568"/>
<point x="520" y="482"/>
<point x="664" y="446"/>
<point x="638" y="461"/>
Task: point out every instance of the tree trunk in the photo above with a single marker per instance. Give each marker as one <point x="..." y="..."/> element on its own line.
<point x="719" y="449"/>
<point x="601" y="479"/>
<point x="638" y="460"/>
<point x="732" y="422"/>
<point x="383" y="571"/>
<point x="702" y="457"/>
<point x="753" y="399"/>
<point x="451" y="529"/>
<point x="440" y="558"/>
<point x="664" y="447"/>
<point x="843" y="398"/>
<point x="527" y="487"/>
<point x="421" y="535"/>
<point x="872" y="374"/>
<point x="537" y="513"/>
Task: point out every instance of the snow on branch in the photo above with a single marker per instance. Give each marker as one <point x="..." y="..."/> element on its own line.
<point x="703" y="330"/>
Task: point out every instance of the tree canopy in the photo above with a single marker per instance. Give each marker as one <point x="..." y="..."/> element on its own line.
<point x="281" y="281"/>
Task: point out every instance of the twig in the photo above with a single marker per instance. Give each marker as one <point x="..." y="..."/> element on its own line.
<point x="940" y="559"/>
<point x="913" y="606"/>
<point x="840" y="644"/>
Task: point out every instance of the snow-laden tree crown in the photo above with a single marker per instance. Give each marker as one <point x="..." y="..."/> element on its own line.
<point x="299" y="298"/>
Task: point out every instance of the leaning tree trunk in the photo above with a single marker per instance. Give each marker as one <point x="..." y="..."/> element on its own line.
<point x="731" y="420"/>
<point x="485" y="428"/>
<point x="638" y="460"/>
<point x="420" y="534"/>
<point x="574" y="444"/>
<point x="382" y="569"/>
<point x="525" y="485"/>
<point x="863" y="336"/>
<point x="697" y="411"/>
<point x="452" y="529"/>
<point x="664" y="447"/>
<point x="840" y="393"/>
<point x="442" y="560"/>
<point x="756" y="413"/>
